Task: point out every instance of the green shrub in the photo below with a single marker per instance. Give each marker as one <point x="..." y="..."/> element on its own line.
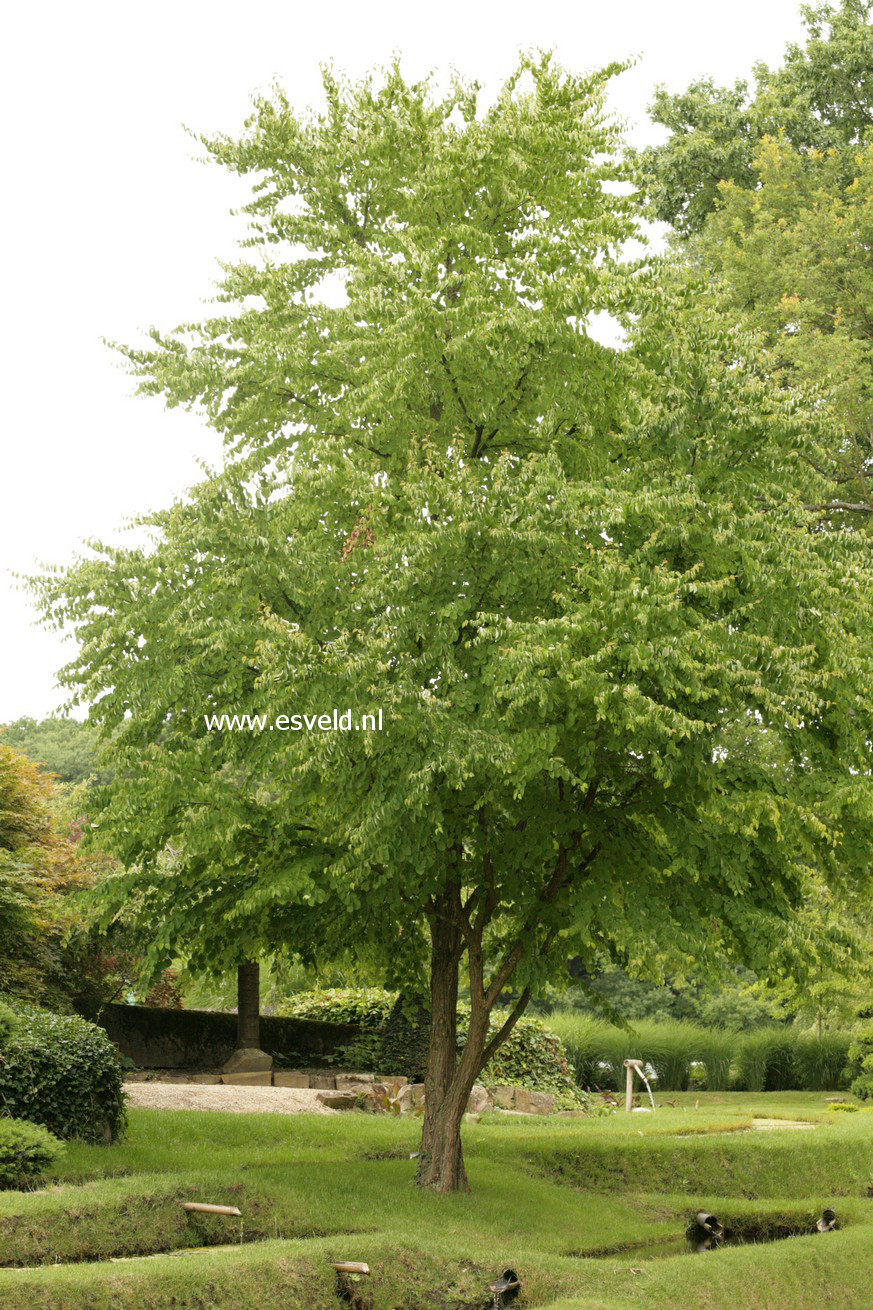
<point x="861" y="1064"/>
<point x="26" y="1151"/>
<point x="533" y="1056"/>
<point x="364" y="1005"/>
<point x="62" y="1072"/>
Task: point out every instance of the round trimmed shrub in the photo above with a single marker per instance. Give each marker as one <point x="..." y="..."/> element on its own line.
<point x="62" y="1072"/>
<point x="26" y="1151"/>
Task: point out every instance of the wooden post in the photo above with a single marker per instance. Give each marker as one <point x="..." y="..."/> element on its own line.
<point x="248" y="1006"/>
<point x="629" y="1086"/>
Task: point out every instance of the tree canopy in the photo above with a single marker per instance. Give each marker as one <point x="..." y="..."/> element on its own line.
<point x="621" y="654"/>
<point x="820" y="99"/>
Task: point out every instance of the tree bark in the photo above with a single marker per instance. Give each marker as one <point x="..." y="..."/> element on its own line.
<point x="442" y="1163"/>
<point x="248" y="1006"/>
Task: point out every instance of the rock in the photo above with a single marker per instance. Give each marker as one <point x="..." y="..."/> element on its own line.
<point x="472" y="1118"/>
<point x="323" y="1081"/>
<point x="206" y="1079"/>
<point x="353" y="1079"/>
<point x="504" y="1097"/>
<point x="248" y="1059"/>
<point x="247" y="1079"/>
<point x="288" y="1079"/>
<point x="530" y="1102"/>
<point x="479" y="1100"/>
<point x="338" y="1100"/>
<point x="375" y="1098"/>
<point x="410" y="1097"/>
<point x="393" y="1080"/>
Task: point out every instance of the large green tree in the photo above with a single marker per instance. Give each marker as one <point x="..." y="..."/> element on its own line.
<point x="622" y="660"/>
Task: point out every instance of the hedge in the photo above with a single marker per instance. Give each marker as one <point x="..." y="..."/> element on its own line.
<point x="26" y="1151"/>
<point x="62" y="1072"/>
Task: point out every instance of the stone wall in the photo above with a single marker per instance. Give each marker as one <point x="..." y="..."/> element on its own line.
<point x="204" y="1039"/>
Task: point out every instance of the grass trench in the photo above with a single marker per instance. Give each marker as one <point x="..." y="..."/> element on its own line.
<point x="576" y="1206"/>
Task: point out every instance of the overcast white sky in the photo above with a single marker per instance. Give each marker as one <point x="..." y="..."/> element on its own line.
<point x="108" y="224"/>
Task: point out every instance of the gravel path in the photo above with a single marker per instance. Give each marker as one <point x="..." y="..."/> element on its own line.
<point x="238" y="1100"/>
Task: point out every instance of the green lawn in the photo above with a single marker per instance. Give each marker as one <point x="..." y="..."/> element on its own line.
<point x="565" y="1201"/>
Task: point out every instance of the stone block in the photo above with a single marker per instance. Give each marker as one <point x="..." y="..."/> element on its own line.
<point x="285" y="1078"/>
<point x="338" y="1100"/>
<point x="247" y="1079"/>
<point x="206" y="1079"/>
<point x="530" y="1102"/>
<point x="323" y="1081"/>
<point x="248" y="1059"/>
<point x="393" y="1080"/>
<point x="353" y="1079"/>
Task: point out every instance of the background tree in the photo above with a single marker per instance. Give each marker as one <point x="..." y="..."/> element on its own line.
<point x="41" y="866"/>
<point x="820" y="100"/>
<point x="624" y="670"/>
<point x="64" y="746"/>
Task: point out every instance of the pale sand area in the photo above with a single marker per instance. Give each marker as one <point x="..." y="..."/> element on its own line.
<point x="238" y="1100"/>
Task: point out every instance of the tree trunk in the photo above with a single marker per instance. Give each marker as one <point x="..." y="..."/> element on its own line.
<point x="248" y="1006"/>
<point x="440" y="1168"/>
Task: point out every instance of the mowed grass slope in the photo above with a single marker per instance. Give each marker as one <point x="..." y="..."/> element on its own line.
<point x="576" y="1206"/>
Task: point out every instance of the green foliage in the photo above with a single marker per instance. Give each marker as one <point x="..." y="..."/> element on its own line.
<point x="64" y="746"/>
<point x="735" y="1000"/>
<point x="8" y="1023"/>
<point x="26" y="1151"/>
<point x="820" y="100"/>
<point x="62" y="1072"/>
<point x="369" y="1006"/>
<point x="861" y="1064"/>
<point x="534" y="1056"/>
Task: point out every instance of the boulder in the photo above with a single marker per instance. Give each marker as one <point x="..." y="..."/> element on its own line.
<point x="248" y="1059"/>
<point x="504" y="1097"/>
<point x="324" y="1082"/>
<point x="247" y="1079"/>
